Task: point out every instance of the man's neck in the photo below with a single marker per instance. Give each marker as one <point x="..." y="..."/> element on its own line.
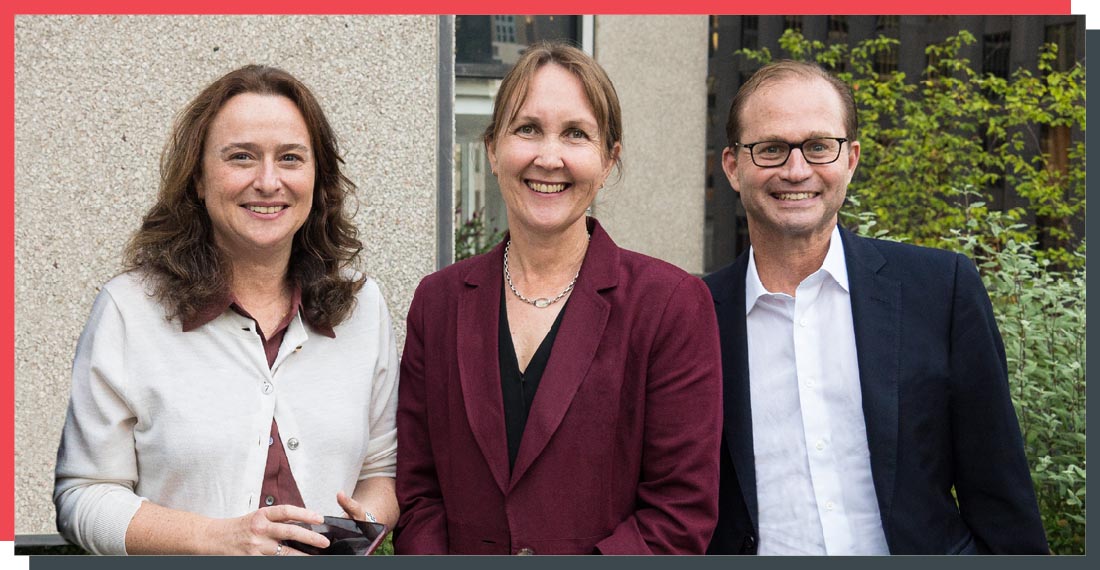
<point x="783" y="262"/>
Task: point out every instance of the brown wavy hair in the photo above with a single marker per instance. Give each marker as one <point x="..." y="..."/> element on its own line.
<point x="175" y="244"/>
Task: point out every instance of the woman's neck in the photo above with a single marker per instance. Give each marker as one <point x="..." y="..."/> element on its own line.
<point x="541" y="261"/>
<point x="264" y="281"/>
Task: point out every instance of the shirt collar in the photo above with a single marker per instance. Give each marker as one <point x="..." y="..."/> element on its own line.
<point x="223" y="302"/>
<point x="834" y="265"/>
<point x="754" y="289"/>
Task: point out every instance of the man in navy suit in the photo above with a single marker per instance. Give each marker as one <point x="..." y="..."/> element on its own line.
<point x="866" y="407"/>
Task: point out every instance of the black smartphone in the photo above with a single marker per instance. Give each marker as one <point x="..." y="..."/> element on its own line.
<point x="346" y="537"/>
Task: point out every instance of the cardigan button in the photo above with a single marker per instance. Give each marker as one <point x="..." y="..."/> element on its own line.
<point x="267" y="388"/>
<point x="292" y="443"/>
<point x="525" y="552"/>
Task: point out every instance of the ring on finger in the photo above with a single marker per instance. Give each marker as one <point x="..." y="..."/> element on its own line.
<point x="278" y="550"/>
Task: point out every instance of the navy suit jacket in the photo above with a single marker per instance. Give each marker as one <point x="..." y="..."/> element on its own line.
<point x="935" y="400"/>
<point x="620" y="451"/>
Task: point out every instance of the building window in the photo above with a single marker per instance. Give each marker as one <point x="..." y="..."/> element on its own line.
<point x="792" y="23"/>
<point x="488" y="46"/>
<point x="838" y="29"/>
<point x="886" y="60"/>
<point x="750" y="32"/>
<point x="1065" y="37"/>
<point x="712" y="45"/>
<point x="888" y="25"/>
<point x="838" y="35"/>
<point x="995" y="52"/>
<point x="504" y="29"/>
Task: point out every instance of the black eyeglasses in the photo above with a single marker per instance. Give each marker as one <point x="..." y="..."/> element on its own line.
<point x="772" y="154"/>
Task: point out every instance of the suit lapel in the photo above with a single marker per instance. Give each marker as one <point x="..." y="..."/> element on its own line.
<point x="876" y="316"/>
<point x="729" y="300"/>
<point x="574" y="348"/>
<point x="478" y="356"/>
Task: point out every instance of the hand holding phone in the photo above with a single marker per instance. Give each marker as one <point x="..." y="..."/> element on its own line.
<point x="346" y="537"/>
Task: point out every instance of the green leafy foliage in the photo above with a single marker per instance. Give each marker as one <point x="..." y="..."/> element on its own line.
<point x="475" y="235"/>
<point x="1041" y="314"/>
<point x="934" y="145"/>
<point x="934" y="152"/>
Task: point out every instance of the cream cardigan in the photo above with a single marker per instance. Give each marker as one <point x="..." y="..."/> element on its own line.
<point x="182" y="419"/>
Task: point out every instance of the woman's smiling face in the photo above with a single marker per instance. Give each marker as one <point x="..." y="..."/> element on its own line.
<point x="258" y="174"/>
<point x="549" y="160"/>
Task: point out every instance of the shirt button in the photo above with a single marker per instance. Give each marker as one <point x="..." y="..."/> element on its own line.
<point x="270" y="441"/>
<point x="810" y="383"/>
<point x="820" y="445"/>
<point x="525" y="552"/>
<point x="267" y="388"/>
<point x="292" y="443"/>
<point x="803" y="323"/>
<point x="269" y="500"/>
<point x="829" y="505"/>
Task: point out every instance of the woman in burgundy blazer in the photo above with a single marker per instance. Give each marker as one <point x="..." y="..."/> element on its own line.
<point x="558" y="395"/>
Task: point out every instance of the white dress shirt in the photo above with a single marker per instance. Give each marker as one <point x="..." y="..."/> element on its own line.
<point x="813" y="468"/>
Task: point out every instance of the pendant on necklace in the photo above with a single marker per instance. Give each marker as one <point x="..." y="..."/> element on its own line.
<point x="542" y="303"/>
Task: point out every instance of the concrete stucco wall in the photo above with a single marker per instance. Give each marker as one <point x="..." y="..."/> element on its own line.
<point x="95" y="98"/>
<point x="659" y="67"/>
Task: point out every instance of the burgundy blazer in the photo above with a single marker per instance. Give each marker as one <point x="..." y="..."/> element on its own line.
<point x="620" y="453"/>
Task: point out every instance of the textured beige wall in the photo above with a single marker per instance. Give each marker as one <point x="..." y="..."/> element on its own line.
<point x="659" y="67"/>
<point x="95" y="97"/>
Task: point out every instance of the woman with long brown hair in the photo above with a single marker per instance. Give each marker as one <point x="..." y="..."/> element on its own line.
<point x="240" y="376"/>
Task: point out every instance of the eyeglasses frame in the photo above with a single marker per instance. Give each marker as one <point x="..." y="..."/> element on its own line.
<point x="793" y="146"/>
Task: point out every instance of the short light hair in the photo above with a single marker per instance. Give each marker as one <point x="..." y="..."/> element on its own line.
<point x="781" y="70"/>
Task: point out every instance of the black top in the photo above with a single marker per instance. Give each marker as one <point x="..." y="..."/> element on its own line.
<point x="519" y="387"/>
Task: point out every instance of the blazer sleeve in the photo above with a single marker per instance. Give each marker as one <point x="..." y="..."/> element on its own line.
<point x="678" y="484"/>
<point x="422" y="526"/>
<point x="993" y="482"/>
<point x="96" y="471"/>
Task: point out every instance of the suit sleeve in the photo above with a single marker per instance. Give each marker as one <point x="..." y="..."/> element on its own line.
<point x="422" y="527"/>
<point x="677" y="493"/>
<point x="97" y="469"/>
<point x="993" y="482"/>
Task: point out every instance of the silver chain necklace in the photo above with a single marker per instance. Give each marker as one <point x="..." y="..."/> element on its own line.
<point x="541" y="302"/>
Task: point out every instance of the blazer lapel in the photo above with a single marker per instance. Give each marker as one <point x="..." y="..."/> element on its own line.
<point x="574" y="348"/>
<point x="876" y="303"/>
<point x="478" y="366"/>
<point x="729" y="305"/>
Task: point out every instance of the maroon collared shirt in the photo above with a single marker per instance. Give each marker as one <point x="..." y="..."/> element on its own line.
<point x="279" y="486"/>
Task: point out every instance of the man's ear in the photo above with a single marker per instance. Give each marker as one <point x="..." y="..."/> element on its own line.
<point x="729" y="166"/>
<point x="853" y="158"/>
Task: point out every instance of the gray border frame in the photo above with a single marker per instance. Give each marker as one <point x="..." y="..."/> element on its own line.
<point x="445" y="249"/>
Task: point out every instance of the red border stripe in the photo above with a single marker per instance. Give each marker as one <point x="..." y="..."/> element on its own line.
<point x="318" y="7"/>
<point x="807" y="7"/>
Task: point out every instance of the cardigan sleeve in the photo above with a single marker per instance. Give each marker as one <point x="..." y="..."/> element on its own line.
<point x="381" y="456"/>
<point x="677" y="493"/>
<point x="96" y="469"/>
